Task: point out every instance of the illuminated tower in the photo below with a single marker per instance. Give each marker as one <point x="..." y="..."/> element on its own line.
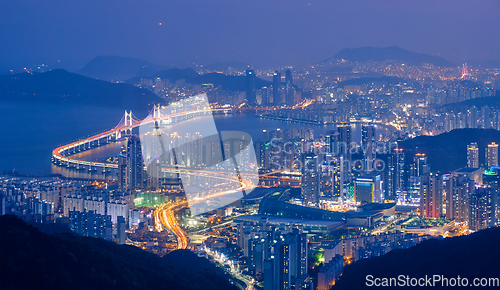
<point x="492" y="155"/>
<point x="483" y="208"/>
<point x="251" y="97"/>
<point x="431" y="195"/>
<point x="417" y="170"/>
<point x="472" y="155"/>
<point x="342" y="147"/>
<point x="396" y="177"/>
<point x="310" y="178"/>
<point x="368" y="142"/>
<point x="289" y="92"/>
<point x="122" y="168"/>
<point x="135" y="166"/>
<point x="277" y="88"/>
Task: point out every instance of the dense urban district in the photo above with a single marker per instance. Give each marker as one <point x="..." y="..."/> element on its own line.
<point x="382" y="150"/>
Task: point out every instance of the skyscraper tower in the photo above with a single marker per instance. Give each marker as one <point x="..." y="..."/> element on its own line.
<point x="342" y="148"/>
<point x="331" y="140"/>
<point x="251" y="97"/>
<point x="420" y="164"/>
<point x="135" y="166"/>
<point x="310" y="178"/>
<point x="264" y="96"/>
<point x="368" y="142"/>
<point x="122" y="168"/>
<point x="459" y="187"/>
<point x="344" y="140"/>
<point x="368" y="133"/>
<point x="417" y="170"/>
<point x="483" y="208"/>
<point x="472" y="155"/>
<point x="287" y="263"/>
<point x="289" y="92"/>
<point x="492" y="155"/>
<point x="431" y="195"/>
<point x="277" y="88"/>
<point x="396" y="175"/>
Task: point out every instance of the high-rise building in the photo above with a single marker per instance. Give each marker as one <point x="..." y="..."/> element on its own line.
<point x="91" y="224"/>
<point x="120" y="230"/>
<point x="287" y="264"/>
<point x="331" y="179"/>
<point x="153" y="174"/>
<point x="289" y="91"/>
<point x="431" y="195"/>
<point x="368" y="188"/>
<point x="472" y="117"/>
<point x="277" y="99"/>
<point x="264" y="93"/>
<point x="330" y="142"/>
<point x="251" y="96"/>
<point x="417" y="169"/>
<point x="368" y="139"/>
<point x="483" y="206"/>
<point x="492" y="155"/>
<point x="135" y="166"/>
<point x="368" y="134"/>
<point x="459" y="187"/>
<point x="396" y="175"/>
<point x="342" y="147"/>
<point x="343" y="143"/>
<point x="310" y="185"/>
<point x="330" y="272"/>
<point x="298" y="253"/>
<point x="472" y="155"/>
<point x="122" y="168"/>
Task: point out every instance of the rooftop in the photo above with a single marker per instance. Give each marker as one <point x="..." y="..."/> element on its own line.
<point x="278" y="220"/>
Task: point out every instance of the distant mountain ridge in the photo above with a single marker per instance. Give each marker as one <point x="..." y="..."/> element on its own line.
<point x="61" y="86"/>
<point x="225" y="65"/>
<point x="369" y="53"/>
<point x="227" y="82"/>
<point x="119" y="68"/>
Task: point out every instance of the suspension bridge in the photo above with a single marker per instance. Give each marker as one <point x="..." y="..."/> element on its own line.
<point x="63" y="155"/>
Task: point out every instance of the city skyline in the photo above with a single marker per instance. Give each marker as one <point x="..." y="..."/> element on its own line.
<point x="251" y="145"/>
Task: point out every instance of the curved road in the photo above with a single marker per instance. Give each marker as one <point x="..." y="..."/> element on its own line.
<point x="165" y="214"/>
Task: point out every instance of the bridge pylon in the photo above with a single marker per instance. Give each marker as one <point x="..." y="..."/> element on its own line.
<point x="128" y="123"/>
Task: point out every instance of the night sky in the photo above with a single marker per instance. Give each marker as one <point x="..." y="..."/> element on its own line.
<point x="68" y="34"/>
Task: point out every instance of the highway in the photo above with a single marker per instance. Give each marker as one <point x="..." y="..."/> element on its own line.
<point x="165" y="214"/>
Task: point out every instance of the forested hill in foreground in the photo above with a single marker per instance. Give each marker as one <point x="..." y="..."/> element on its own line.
<point x="448" y="151"/>
<point x="473" y="256"/>
<point x="31" y="259"/>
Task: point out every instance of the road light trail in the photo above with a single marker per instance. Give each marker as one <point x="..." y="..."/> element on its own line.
<point x="165" y="214"/>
